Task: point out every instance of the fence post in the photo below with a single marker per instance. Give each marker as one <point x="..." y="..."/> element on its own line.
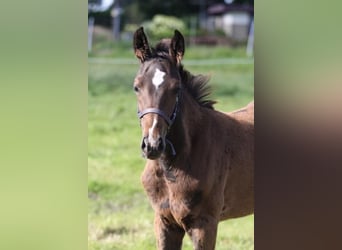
<point x="91" y="21"/>
<point x="250" y="42"/>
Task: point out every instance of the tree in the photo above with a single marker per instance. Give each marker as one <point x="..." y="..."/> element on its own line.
<point x="141" y="10"/>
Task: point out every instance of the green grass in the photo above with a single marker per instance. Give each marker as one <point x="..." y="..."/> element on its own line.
<point x="120" y="216"/>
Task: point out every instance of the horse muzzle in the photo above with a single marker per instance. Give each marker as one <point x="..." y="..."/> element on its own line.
<point x="152" y="148"/>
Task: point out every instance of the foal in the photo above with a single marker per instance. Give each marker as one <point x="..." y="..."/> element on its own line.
<point x="200" y="162"/>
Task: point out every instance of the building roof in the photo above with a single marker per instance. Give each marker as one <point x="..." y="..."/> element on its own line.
<point x="100" y="5"/>
<point x="221" y="8"/>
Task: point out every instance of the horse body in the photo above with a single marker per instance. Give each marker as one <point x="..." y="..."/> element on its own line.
<point x="211" y="182"/>
<point x="209" y="179"/>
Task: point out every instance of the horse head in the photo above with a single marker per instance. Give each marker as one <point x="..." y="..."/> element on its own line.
<point x="158" y="87"/>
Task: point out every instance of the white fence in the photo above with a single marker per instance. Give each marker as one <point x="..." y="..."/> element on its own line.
<point x="218" y="61"/>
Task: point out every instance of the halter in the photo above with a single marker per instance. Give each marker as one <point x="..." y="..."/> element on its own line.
<point x="169" y="120"/>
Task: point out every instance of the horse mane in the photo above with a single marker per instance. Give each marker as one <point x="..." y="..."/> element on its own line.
<point x="196" y="85"/>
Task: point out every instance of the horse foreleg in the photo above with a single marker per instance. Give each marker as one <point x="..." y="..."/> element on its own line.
<point x="203" y="232"/>
<point x="169" y="236"/>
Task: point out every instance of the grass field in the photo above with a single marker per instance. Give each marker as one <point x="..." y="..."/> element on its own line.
<point x="119" y="215"/>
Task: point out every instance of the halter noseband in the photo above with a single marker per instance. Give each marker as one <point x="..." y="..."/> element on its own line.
<point x="169" y="120"/>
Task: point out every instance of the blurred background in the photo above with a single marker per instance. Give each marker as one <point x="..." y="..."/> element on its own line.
<point x="45" y="69"/>
<point x="204" y="22"/>
<point x="219" y="42"/>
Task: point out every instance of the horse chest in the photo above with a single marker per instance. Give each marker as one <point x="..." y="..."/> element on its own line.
<point x="172" y="199"/>
<point x="174" y="207"/>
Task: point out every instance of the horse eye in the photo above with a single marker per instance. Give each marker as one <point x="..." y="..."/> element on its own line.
<point x="136" y="89"/>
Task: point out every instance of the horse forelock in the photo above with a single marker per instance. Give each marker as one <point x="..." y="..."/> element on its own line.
<point x="163" y="45"/>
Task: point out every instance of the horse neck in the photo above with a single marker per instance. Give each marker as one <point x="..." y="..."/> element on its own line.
<point x="186" y="125"/>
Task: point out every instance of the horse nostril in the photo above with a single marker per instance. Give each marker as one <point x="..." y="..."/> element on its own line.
<point x="143" y="143"/>
<point x="160" y="144"/>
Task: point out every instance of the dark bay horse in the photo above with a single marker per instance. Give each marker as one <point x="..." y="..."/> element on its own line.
<point x="200" y="162"/>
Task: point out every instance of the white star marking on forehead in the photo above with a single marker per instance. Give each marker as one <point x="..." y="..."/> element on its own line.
<point x="158" y="78"/>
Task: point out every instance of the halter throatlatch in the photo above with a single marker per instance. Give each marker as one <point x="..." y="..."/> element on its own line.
<point x="169" y="120"/>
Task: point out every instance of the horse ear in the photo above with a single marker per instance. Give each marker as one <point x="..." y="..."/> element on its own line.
<point x="177" y="47"/>
<point x="140" y="44"/>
